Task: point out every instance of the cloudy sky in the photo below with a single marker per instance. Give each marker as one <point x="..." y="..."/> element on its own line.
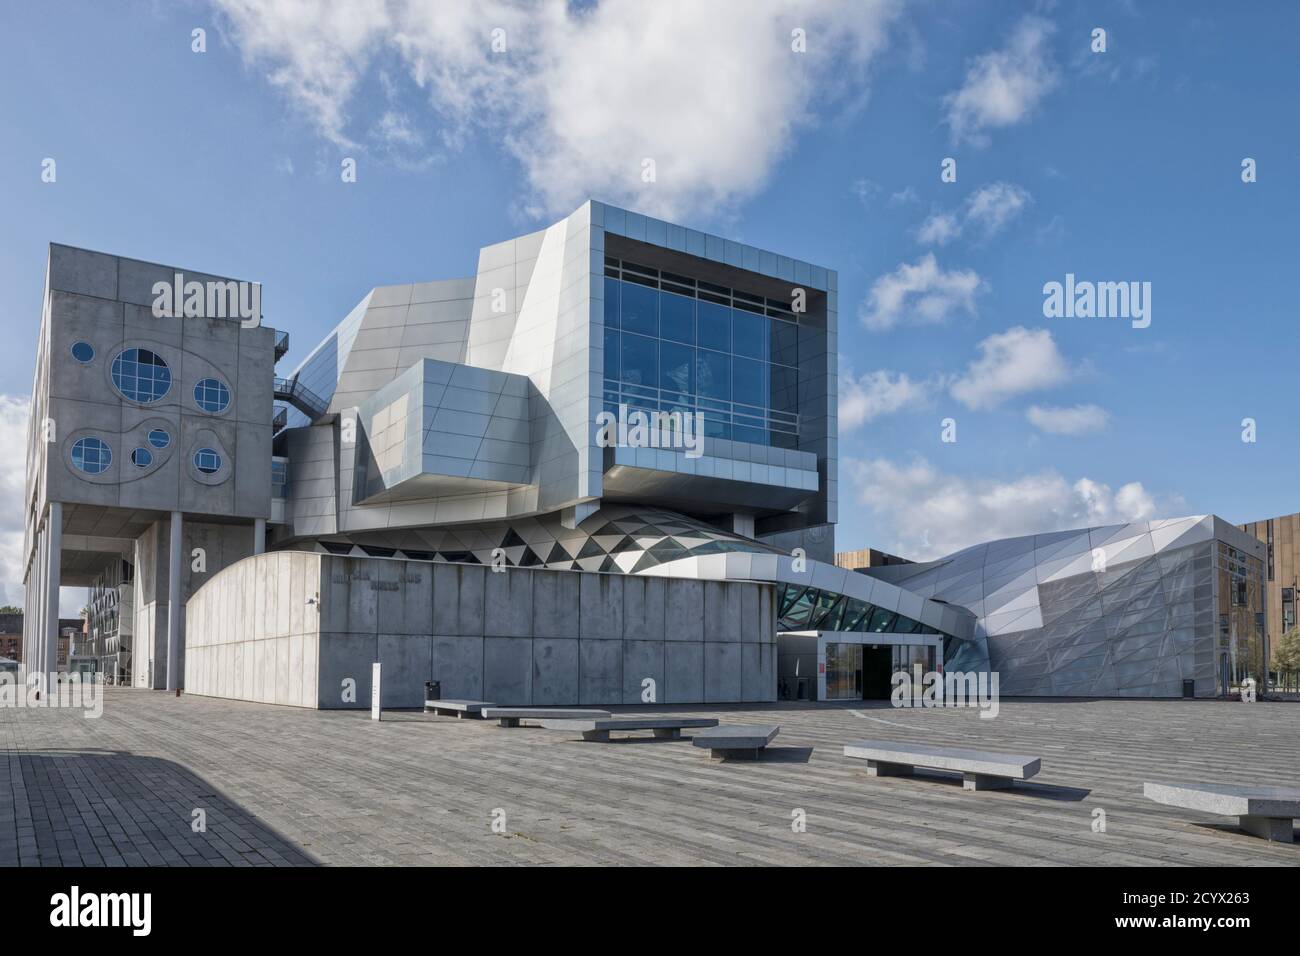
<point x="471" y="123"/>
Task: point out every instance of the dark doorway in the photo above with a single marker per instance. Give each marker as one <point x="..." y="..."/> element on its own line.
<point x="877" y="668"/>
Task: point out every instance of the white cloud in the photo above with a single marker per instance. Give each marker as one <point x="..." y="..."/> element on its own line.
<point x="939" y="229"/>
<point x="987" y="211"/>
<point x="1003" y="87"/>
<point x="13" y="469"/>
<point x="583" y="94"/>
<point x="1073" y="420"/>
<point x="865" y="398"/>
<point x="921" y="292"/>
<point x="1010" y="363"/>
<point x="923" y="514"/>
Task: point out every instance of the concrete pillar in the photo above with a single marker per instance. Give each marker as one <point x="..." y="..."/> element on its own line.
<point x="743" y="524"/>
<point x="37" y="665"/>
<point x="54" y="549"/>
<point x="174" y="604"/>
<point x="259" y="535"/>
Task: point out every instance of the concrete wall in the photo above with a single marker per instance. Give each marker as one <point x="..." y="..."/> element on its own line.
<point x="520" y="637"/>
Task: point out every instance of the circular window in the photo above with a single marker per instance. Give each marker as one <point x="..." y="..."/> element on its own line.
<point x="159" y="438"/>
<point x="83" y="352"/>
<point x="207" y="461"/>
<point x="141" y="376"/>
<point x="211" y="395"/>
<point x="141" y="458"/>
<point x="91" y="455"/>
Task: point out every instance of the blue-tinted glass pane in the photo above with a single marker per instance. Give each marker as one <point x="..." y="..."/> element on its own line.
<point x="611" y="353"/>
<point x="159" y="438"/>
<point x="141" y="375"/>
<point x="611" y="303"/>
<point x="750" y="334"/>
<point x="640" y="309"/>
<point x="677" y="367"/>
<point x="91" y="455"/>
<point x="785" y="342"/>
<point x="749" y="381"/>
<point x="714" y="326"/>
<point x="716" y="426"/>
<point x="141" y="458"/>
<point x="749" y="433"/>
<point x="713" y="376"/>
<point x="82" y="351"/>
<point x="677" y="318"/>
<point x="784" y="395"/>
<point x="207" y="461"/>
<point x="640" y="360"/>
<point x="211" y="395"/>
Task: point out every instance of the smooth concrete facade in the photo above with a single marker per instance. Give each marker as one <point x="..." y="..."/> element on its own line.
<point x="294" y="628"/>
<point x="98" y="312"/>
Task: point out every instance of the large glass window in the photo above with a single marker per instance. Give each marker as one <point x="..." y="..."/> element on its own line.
<point x="141" y="376"/>
<point x="640" y="311"/>
<point x="677" y="368"/>
<point x="91" y="455"/>
<point x="715" y="326"/>
<point x="640" y="359"/>
<point x="677" y="318"/>
<point x="677" y="343"/>
<point x="211" y="395"/>
<point x="713" y="375"/>
<point x="750" y="333"/>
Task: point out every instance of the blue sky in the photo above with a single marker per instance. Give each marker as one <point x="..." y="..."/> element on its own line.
<point x="1115" y="166"/>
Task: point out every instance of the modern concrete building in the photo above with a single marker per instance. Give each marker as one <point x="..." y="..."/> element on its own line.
<point x="603" y="467"/>
<point x="1170" y="608"/>
<point x="1281" y="539"/>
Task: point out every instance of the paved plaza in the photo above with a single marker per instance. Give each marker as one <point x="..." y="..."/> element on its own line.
<point x="283" y="786"/>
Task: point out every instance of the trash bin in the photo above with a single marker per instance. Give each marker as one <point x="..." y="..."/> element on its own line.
<point x="1189" y="688"/>
<point x="433" y="690"/>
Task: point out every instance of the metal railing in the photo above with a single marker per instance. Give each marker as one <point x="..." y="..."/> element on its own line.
<point x="300" y="397"/>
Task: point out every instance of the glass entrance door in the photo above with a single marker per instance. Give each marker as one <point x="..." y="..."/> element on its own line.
<point x="843" y="671"/>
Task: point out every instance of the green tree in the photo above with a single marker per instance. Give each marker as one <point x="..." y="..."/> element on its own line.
<point x="10" y="609"/>
<point x="1286" y="656"/>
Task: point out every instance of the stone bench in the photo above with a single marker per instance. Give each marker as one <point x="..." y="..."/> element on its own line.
<point x="510" y="716"/>
<point x="461" y="708"/>
<point x="980" y="769"/>
<point x="737" y="740"/>
<point x="1261" y="811"/>
<point x="598" y="728"/>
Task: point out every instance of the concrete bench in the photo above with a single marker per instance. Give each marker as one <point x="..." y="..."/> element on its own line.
<point x="737" y="740"/>
<point x="980" y="769"/>
<point x="510" y="716"/>
<point x="1261" y="811"/>
<point x="598" y="728"/>
<point x="461" y="708"/>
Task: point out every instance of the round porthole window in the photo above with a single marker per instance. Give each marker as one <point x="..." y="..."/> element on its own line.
<point x="142" y="376"/>
<point x="207" y="461"/>
<point x="159" y="438"/>
<point x="141" y="458"/>
<point x="83" y="352"/>
<point x="211" y="395"/>
<point x="91" y="455"/>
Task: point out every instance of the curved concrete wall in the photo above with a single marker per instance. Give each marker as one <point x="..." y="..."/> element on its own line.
<point x="519" y="636"/>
